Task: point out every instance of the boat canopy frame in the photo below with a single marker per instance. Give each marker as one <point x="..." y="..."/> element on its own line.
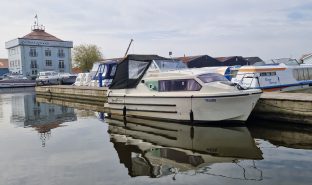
<point x="131" y="70"/>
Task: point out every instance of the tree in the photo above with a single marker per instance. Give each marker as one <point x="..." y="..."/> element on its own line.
<point x="86" y="55"/>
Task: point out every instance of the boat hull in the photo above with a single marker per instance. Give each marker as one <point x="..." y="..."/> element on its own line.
<point x="236" y="108"/>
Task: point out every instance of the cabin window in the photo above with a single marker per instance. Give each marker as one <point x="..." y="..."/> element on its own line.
<point x="168" y="65"/>
<point x="212" y="77"/>
<point x="105" y="69"/>
<point x="296" y="74"/>
<point x="268" y="74"/>
<point x="310" y="73"/>
<point x="152" y="85"/>
<point x="301" y="74"/>
<point x="136" y="69"/>
<point x="233" y="73"/>
<point x="113" y="70"/>
<point x="179" y="85"/>
<point x="306" y="73"/>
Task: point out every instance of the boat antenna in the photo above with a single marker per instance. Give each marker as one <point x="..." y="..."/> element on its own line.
<point x="128" y="47"/>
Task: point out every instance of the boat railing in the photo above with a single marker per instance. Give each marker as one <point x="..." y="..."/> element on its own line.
<point x="244" y="76"/>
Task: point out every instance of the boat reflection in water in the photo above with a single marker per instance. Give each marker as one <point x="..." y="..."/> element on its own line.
<point x="281" y="134"/>
<point x="155" y="149"/>
<point x="43" y="117"/>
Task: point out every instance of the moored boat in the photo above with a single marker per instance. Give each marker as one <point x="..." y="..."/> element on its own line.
<point x="16" y="81"/>
<point x="160" y="88"/>
<point x="274" y="77"/>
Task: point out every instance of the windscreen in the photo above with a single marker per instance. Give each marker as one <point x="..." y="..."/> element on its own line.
<point x="169" y="65"/>
<point x="212" y="77"/>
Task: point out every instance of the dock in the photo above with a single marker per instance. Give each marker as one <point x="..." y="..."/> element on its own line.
<point x="79" y="94"/>
<point x="283" y="107"/>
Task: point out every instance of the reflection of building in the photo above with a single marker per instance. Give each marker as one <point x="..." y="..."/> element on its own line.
<point x="38" y="51"/>
<point x="18" y="110"/>
<point x="26" y="112"/>
<point x="153" y="148"/>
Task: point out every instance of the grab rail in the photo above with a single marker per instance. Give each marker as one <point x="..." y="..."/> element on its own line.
<point x="253" y="77"/>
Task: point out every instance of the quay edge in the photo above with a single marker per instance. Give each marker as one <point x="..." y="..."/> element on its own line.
<point x="285" y="107"/>
<point x="83" y="94"/>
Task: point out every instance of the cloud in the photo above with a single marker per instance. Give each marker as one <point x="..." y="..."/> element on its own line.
<point x="195" y="27"/>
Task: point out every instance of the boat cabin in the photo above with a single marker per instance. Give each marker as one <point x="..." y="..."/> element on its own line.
<point x="164" y="75"/>
<point x="274" y="77"/>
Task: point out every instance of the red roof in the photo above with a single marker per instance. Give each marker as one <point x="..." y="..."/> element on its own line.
<point x="4" y="63"/>
<point x="39" y="34"/>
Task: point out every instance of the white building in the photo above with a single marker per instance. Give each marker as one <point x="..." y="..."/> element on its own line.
<point x="38" y="51"/>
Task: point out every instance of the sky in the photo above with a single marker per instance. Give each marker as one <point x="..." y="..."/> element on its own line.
<point x="267" y="28"/>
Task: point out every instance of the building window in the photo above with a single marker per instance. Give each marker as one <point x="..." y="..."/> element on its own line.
<point x="33" y="52"/>
<point x="34" y="72"/>
<point x="12" y="51"/>
<point x="48" y="62"/>
<point x="61" y="53"/>
<point x="61" y="64"/>
<point x="47" y="52"/>
<point x="33" y="64"/>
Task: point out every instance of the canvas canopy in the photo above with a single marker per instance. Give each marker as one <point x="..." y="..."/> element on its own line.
<point x="130" y="71"/>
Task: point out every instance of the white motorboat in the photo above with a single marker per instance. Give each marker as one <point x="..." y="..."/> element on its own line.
<point x="160" y="88"/>
<point x="274" y="77"/>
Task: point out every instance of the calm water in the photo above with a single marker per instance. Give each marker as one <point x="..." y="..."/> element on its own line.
<point x="44" y="143"/>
